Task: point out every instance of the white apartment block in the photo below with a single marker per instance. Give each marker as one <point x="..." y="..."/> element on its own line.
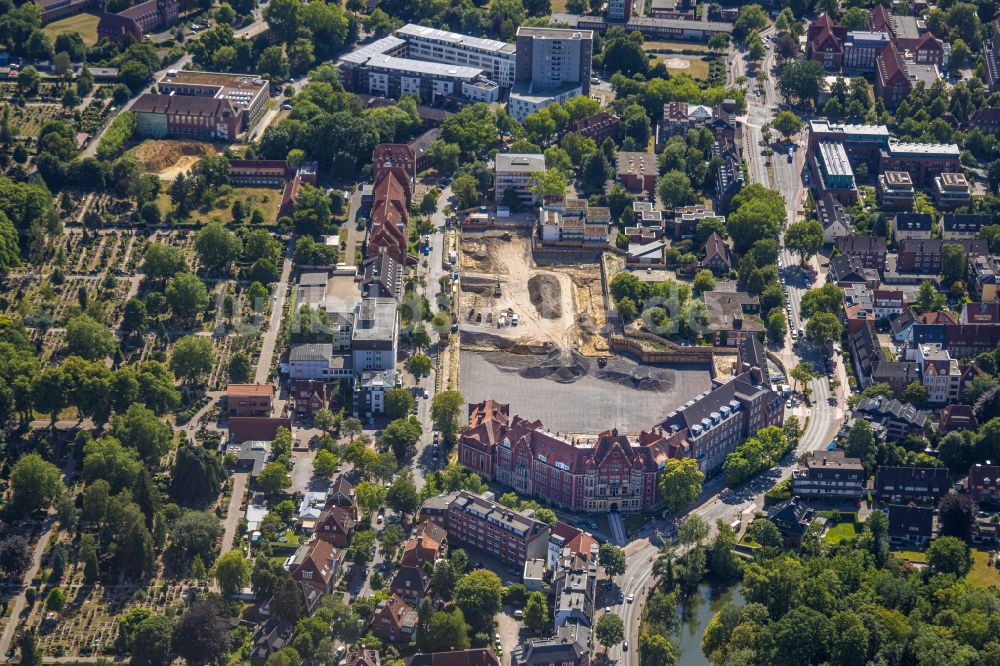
<point x="515" y="171"/>
<point x="497" y="59"/>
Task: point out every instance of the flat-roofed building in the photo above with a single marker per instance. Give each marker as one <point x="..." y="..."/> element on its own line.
<point x="829" y="475"/>
<point x="951" y="191"/>
<point x="895" y="190"/>
<point x="553" y="66"/>
<point x="515" y="171"/>
<point x="923" y="161"/>
<point x="833" y="171"/>
<point x="638" y="172"/>
<point x="247" y="93"/>
<point x="496" y="58"/>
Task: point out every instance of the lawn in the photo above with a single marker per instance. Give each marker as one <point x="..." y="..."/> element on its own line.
<point x="841" y="532"/>
<point x="266" y="199"/>
<point x="697" y="70"/>
<point x="672" y="46"/>
<point x="982" y="574"/>
<point x="913" y="555"/>
<point x="85" y="24"/>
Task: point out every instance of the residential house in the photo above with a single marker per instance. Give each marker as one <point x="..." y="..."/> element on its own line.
<point x="892" y="418"/>
<point x="271" y="636"/>
<point x="941" y="375"/>
<point x="638" y="172"/>
<point x="474" y="657"/>
<point x="957" y="417"/>
<point x="314" y="565"/>
<point x="846" y="270"/>
<point x="382" y="277"/>
<point x="983" y="483"/>
<point x="897" y="374"/>
<point x="910" y="524"/>
<point x="251" y="455"/>
<point x="375" y="338"/>
<point x="834" y="219"/>
<point x="428" y="544"/>
<point x="895" y="190"/>
<point x="686" y="219"/>
<point x="370" y="390"/>
<point x="871" y="251"/>
<point x="717" y="256"/>
<point x="866" y="352"/>
<point x="951" y="191"/>
<point x="411" y="583"/>
<point x="310" y="396"/>
<point x="980" y="313"/>
<point x="793" y="519"/>
<point x="924" y="256"/>
<point x="955" y="226"/>
<point x="829" y="475"/>
<point x="859" y="307"/>
<point x="575" y="586"/>
<point x="897" y="485"/>
<point x="888" y="303"/>
<point x="361" y="658"/>
<point x="341" y="493"/>
<point x="570" y="646"/>
<point x="733" y="316"/>
<point x="336" y="526"/>
<point x="908" y="226"/>
<point x="394" y="620"/>
<point x="986" y="119"/>
<point x="922" y="161"/>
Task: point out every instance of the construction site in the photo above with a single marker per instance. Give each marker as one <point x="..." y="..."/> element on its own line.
<point x="534" y="323"/>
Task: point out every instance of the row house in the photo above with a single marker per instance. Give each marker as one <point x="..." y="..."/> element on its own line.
<point x="887" y="303"/>
<point x="924" y="256"/>
<point x="834" y="219"/>
<point x="649" y="223"/>
<point x="956" y="226"/>
<point x="474" y="520"/>
<point x="910" y="525"/>
<point x="900" y="485"/>
<point x="870" y="251"/>
<point x="980" y="313"/>
<point x="912" y="226"/>
<point x="829" y="475"/>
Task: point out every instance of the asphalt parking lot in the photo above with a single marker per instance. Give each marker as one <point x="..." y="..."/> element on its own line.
<point x="587" y="405"/>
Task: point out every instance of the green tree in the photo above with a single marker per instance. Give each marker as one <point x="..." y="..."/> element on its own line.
<point x="56" y="600"/>
<point x="612" y="559"/>
<point x="478" y="594"/>
<point x="217" y="246"/>
<point x="195" y="533"/>
<point x="447" y="632"/>
<point x="370" y="496"/>
<point x="536" y="613"/>
<point x="402" y="495"/>
<point x="953" y="262"/>
<point x="192" y="357"/>
<point x="755" y="47"/>
<point x="827" y="298"/>
<point x="419" y="366"/>
<point x="466" y="192"/>
<point x="949" y="555"/>
<point x="232" y="571"/>
<point x="398" y="403"/>
<point x="805" y="238"/>
<point x="88" y="338"/>
<point x="704" y="281"/>
<point x="274" y="478"/>
<point x="197" y="474"/>
<point x="445" y="409"/>
<point x="35" y="484"/>
<point x="674" y="189"/>
<point x="151" y="642"/>
<point x="201" y="634"/>
<point x="162" y="261"/>
<point x="609" y="630"/>
<point x="787" y="124"/>
<point x="680" y="482"/>
<point x="186" y="295"/>
<point x="802" y="373"/>
<point x="823" y="328"/>
<point x="549" y="183"/>
<point x="916" y="394"/>
<point x="140" y="429"/>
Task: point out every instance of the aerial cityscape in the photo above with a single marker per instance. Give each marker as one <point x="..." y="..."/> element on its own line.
<point x="500" y="333"/>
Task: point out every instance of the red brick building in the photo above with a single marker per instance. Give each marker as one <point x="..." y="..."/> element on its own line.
<point x="310" y="396"/>
<point x="871" y="251"/>
<point x="984" y="483"/>
<point x="924" y="256"/>
<point x="598" y="127"/>
<point x="394" y="167"/>
<point x="249" y="399"/>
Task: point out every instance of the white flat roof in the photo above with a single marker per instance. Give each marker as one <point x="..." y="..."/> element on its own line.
<point x="423" y="67"/>
<point x="477" y="43"/>
<point x="362" y="54"/>
<point x="903" y="148"/>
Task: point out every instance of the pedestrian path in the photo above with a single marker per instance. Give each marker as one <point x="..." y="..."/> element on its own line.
<point x="617" y="527"/>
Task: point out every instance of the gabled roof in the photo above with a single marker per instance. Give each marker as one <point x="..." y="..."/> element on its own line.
<point x="476" y="657"/>
<point x="910" y="521"/>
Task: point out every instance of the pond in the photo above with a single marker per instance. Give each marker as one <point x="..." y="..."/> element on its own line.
<point x="696" y="613"/>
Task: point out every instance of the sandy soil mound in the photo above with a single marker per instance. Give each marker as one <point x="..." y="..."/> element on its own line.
<point x="161" y="156"/>
<point x="546" y="295"/>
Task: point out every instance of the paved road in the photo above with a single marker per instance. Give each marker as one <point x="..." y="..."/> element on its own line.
<point x="717" y="501"/>
<point x="279" y="293"/>
<point x="20" y="601"/>
<point x="233" y="514"/>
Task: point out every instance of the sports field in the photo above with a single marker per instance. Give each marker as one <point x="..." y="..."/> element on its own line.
<point x="85" y="24"/>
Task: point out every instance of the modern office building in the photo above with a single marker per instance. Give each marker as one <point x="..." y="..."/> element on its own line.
<point x="515" y="171"/>
<point x="951" y="191"/>
<point x="833" y="172"/>
<point x="923" y="161"/>
<point x="374" y="340"/>
<point x="553" y="66"/>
